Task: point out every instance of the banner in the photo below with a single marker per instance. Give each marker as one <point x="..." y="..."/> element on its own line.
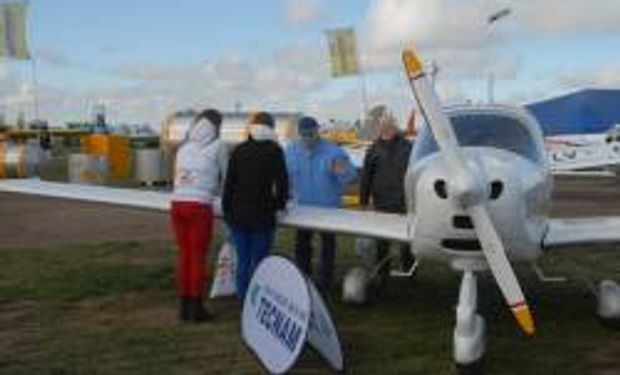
<point x="342" y="51"/>
<point x="13" y="31"/>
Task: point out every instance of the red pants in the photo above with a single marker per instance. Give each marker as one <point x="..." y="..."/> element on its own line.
<point x="193" y="224"/>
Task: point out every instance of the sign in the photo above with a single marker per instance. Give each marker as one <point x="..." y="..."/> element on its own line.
<point x="343" y="51"/>
<point x="322" y="334"/>
<point x="13" y="30"/>
<point x="281" y="311"/>
<point x="276" y="313"/>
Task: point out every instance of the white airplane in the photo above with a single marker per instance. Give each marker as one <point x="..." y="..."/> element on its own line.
<point x="581" y="154"/>
<point x="478" y="191"/>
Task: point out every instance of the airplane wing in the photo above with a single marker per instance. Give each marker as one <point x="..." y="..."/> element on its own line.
<point x="582" y="231"/>
<point x="357" y="223"/>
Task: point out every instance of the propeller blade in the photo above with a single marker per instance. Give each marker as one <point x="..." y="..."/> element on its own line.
<point x="470" y="192"/>
<point x="501" y="269"/>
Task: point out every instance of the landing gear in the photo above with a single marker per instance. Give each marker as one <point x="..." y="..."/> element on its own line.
<point x="361" y="281"/>
<point x="355" y="285"/>
<point x="609" y="304"/>
<point x="469" y="341"/>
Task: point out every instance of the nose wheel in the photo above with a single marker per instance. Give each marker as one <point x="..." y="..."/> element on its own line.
<point x="469" y="340"/>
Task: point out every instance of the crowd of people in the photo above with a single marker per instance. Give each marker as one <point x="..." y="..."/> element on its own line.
<point x="256" y="181"/>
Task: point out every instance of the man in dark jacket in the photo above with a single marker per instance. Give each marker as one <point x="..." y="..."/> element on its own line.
<point x="382" y="182"/>
<point x="256" y="188"/>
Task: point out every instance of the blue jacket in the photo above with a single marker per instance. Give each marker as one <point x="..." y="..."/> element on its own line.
<point x="310" y="172"/>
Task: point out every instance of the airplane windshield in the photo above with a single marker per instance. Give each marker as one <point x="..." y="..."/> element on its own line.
<point x="483" y="130"/>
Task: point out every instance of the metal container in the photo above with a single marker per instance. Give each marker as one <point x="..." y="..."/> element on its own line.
<point x="149" y="166"/>
<point x="88" y="169"/>
<point x="234" y="130"/>
<point x="19" y="159"/>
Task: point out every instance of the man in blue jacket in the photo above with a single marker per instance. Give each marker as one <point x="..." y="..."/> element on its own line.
<point x="319" y="171"/>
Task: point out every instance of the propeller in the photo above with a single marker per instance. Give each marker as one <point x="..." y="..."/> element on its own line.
<point x="469" y="188"/>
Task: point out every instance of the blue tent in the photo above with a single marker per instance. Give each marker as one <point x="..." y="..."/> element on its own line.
<point x="582" y="112"/>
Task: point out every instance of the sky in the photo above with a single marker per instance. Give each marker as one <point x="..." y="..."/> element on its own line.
<point x="144" y="59"/>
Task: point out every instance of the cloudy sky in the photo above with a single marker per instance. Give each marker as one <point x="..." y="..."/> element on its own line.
<point x="147" y="58"/>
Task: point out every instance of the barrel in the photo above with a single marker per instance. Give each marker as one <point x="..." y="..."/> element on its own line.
<point x="149" y="166"/>
<point x="88" y="169"/>
<point x="18" y="159"/>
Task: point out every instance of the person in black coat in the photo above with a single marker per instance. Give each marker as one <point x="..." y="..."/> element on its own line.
<point x="382" y="183"/>
<point x="256" y="188"/>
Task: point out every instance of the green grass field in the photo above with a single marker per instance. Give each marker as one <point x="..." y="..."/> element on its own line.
<point x="111" y="309"/>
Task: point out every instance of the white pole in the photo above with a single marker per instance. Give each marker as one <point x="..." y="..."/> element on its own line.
<point x="35" y="85"/>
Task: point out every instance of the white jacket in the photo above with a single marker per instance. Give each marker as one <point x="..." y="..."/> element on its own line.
<point x="200" y="165"/>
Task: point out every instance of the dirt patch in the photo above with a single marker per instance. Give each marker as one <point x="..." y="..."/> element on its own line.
<point x="29" y="221"/>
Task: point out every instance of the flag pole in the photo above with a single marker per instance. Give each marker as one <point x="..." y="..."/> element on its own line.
<point x="364" y="87"/>
<point x="35" y="88"/>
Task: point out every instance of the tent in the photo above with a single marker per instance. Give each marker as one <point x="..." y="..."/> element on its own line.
<point x="582" y="112"/>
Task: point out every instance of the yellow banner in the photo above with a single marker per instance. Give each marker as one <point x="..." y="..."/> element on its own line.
<point x="13" y="31"/>
<point x="343" y="51"/>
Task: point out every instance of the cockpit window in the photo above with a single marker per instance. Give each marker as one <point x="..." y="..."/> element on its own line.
<point x="482" y="130"/>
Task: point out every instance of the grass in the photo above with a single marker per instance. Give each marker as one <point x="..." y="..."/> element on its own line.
<point x="111" y="309"/>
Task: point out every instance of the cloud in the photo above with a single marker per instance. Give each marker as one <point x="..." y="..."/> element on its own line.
<point x="457" y="34"/>
<point x="150" y="92"/>
<point x="303" y="11"/>
<point x="55" y="57"/>
<point x="603" y="77"/>
<point x="568" y="17"/>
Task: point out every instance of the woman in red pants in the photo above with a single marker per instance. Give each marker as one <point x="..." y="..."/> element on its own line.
<point x="200" y="168"/>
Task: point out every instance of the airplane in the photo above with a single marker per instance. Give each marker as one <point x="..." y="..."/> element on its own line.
<point x="478" y="190"/>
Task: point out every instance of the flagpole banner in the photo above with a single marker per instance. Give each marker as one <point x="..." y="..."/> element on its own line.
<point x="343" y="51"/>
<point x="13" y="30"/>
<point x="276" y="314"/>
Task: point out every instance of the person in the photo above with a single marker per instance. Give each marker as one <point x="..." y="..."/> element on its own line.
<point x="199" y="170"/>
<point x="256" y="188"/>
<point x="382" y="183"/>
<point x="319" y="171"/>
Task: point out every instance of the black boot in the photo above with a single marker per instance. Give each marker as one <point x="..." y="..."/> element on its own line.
<point x="197" y="312"/>
<point x="184" y="309"/>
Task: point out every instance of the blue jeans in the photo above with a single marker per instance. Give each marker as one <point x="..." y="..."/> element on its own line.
<point x="303" y="256"/>
<point x="252" y="246"/>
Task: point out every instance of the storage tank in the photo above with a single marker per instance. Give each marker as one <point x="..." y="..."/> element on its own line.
<point x="234" y="130"/>
<point x="19" y="159"/>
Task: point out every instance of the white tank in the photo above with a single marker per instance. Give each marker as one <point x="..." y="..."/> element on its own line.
<point x="149" y="166"/>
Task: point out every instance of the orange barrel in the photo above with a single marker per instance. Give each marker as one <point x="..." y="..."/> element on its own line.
<point x="114" y="147"/>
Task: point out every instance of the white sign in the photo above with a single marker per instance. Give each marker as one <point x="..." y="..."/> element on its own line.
<point x="322" y="334"/>
<point x="276" y="313"/>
